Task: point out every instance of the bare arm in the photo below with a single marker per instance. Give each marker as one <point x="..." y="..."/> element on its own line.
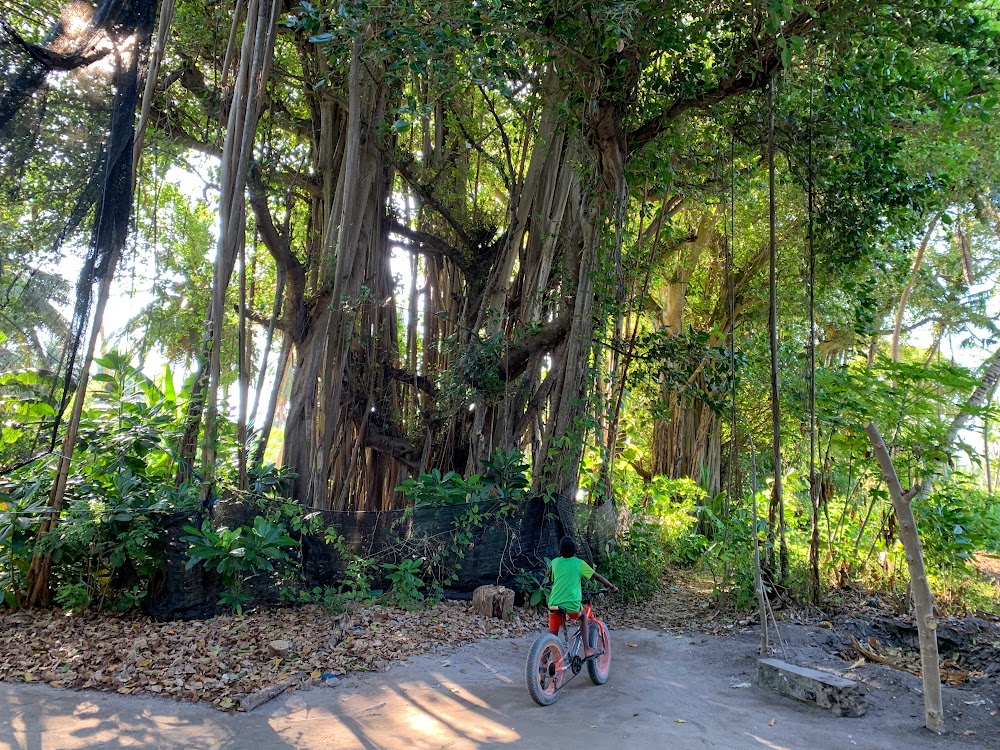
<point x="605" y="582"/>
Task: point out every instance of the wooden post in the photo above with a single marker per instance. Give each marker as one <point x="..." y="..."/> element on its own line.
<point x="923" y="599"/>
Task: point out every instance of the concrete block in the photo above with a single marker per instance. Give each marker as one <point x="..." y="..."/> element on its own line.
<point x="842" y="696"/>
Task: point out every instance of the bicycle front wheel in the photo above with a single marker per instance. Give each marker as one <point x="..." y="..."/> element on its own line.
<point x="542" y="674"/>
<point x="599" y="668"/>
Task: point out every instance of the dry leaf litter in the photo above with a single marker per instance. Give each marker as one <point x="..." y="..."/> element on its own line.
<point x="240" y="662"/>
<point x="228" y="660"/>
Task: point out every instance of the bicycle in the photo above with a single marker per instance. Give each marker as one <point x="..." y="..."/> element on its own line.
<point x="551" y="656"/>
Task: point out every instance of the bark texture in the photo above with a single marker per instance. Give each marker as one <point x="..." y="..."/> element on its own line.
<point x="923" y="599"/>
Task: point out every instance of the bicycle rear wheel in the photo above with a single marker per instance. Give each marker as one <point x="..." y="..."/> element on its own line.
<point x="599" y="668"/>
<point x="542" y="673"/>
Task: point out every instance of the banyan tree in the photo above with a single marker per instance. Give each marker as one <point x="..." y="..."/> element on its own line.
<point x="474" y="213"/>
<point x="503" y="178"/>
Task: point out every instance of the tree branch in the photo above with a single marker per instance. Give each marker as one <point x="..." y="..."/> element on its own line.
<point x="163" y="121"/>
<point x="279" y="248"/>
<point x="978" y="396"/>
<point x="430" y="244"/>
<point x="262" y="320"/>
<point x="396" y="447"/>
<point x="497" y="164"/>
<point x="422" y="382"/>
<point x="517" y="357"/>
<point x="759" y="63"/>
<point x="403" y="167"/>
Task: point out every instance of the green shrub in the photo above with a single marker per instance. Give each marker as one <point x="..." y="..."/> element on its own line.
<point x="673" y="505"/>
<point x="433" y="489"/>
<point x="238" y="554"/>
<point x="986" y="526"/>
<point x="356" y="584"/>
<point x="405" y="583"/>
<point x="536" y="587"/>
<point x="729" y="553"/>
<point x="22" y="508"/>
<point x="954" y="523"/>
<point x="108" y="538"/>
<point x="635" y="562"/>
<point x="119" y="494"/>
<point x="504" y="478"/>
<point x="73" y="596"/>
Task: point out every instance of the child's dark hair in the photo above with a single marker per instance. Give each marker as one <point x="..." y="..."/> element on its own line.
<point x="567" y="547"/>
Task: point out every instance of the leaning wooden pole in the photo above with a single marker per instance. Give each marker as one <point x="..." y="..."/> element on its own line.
<point x="922" y="597"/>
<point x="41" y="563"/>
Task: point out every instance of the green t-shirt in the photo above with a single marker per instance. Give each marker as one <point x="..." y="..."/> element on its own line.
<point x="567" y="573"/>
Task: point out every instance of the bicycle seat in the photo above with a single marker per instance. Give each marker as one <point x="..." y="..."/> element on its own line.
<point x="558" y="610"/>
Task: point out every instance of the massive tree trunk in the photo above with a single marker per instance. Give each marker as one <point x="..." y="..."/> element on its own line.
<point x="688" y="444"/>
<point x="499" y="345"/>
<point x="328" y="431"/>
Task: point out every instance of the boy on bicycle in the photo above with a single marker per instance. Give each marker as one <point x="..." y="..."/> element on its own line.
<point x="568" y="573"/>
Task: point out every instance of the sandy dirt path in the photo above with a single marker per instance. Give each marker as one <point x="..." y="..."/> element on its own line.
<point x="666" y="691"/>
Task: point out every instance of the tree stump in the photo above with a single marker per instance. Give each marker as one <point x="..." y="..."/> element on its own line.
<point x="493" y="601"/>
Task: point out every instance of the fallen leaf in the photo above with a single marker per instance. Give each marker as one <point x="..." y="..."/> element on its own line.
<point x="968" y="733"/>
<point x="28" y="677"/>
<point x="859" y="663"/>
<point x="633" y="645"/>
<point x="680" y="721"/>
<point x="771" y="722"/>
<point x="742" y="685"/>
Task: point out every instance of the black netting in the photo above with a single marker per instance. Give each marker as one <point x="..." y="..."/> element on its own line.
<point x="503" y="544"/>
<point x="505" y="547"/>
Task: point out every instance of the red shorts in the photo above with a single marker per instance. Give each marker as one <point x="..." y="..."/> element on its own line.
<point x="556" y="620"/>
